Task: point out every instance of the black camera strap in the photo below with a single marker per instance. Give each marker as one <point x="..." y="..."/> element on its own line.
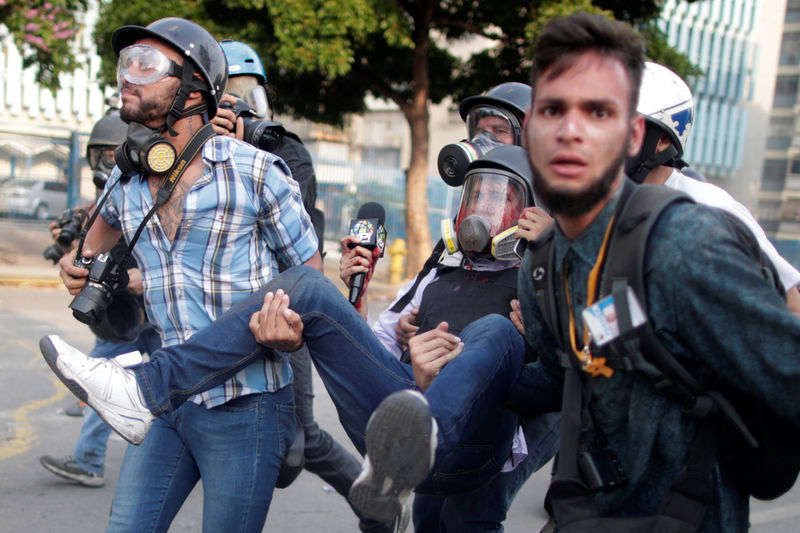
<point x="188" y="153"/>
<point x="96" y="212"/>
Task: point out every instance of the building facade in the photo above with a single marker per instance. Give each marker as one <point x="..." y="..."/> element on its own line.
<point x="43" y="134"/>
<point x="779" y="195"/>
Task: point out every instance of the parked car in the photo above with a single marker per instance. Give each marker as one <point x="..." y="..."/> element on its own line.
<point x="40" y="199"/>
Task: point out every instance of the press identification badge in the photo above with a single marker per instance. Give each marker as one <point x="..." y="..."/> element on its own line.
<point x="601" y="318"/>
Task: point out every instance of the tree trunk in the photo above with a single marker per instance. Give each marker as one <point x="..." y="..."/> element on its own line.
<point x="417" y="229"/>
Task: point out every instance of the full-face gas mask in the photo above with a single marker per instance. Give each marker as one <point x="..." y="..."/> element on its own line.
<point x="252" y="93"/>
<point x="107" y="133"/>
<point x="496" y="189"/>
<point x="101" y="161"/>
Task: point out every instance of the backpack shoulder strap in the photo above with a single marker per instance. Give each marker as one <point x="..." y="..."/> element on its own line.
<point x="639" y="348"/>
<point x="429" y="265"/>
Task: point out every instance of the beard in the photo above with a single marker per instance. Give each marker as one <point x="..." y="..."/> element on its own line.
<point x="150" y="110"/>
<point x="576" y="203"/>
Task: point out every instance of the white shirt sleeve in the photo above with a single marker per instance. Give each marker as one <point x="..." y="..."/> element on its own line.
<point x="384" y="327"/>
<point x="710" y="194"/>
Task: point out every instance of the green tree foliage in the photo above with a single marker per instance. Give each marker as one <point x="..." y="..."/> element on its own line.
<point x="43" y="32"/>
<point x="324" y="56"/>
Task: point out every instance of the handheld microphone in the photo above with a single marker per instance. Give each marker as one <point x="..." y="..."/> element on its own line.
<point x="368" y="227"/>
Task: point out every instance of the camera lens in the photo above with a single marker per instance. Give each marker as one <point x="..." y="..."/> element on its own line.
<point x="261" y="134"/>
<point x="53" y="253"/>
<point x="90" y="304"/>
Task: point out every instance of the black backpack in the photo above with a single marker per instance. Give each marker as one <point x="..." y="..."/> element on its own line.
<point x="760" y="448"/>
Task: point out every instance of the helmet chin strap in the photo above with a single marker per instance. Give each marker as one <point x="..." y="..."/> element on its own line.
<point x="178" y="110"/>
<point x="648" y="159"/>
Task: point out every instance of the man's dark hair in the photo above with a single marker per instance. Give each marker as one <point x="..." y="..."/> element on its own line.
<point x="565" y="39"/>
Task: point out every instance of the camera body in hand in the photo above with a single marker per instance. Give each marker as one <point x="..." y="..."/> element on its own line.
<point x="70" y="222"/>
<point x="263" y="134"/>
<point x="106" y="277"/>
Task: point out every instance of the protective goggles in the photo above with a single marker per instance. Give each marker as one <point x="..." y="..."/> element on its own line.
<point x="142" y="64"/>
<point x="490" y="119"/>
<point x="103" y="155"/>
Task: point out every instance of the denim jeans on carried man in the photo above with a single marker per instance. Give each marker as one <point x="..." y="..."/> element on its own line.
<point x="475" y="432"/>
<point x="486" y="508"/>
<point x="236" y="448"/>
<point x="90" y="448"/>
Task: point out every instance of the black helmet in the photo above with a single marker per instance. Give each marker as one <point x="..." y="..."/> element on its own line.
<point x="511" y="96"/>
<point x="193" y="42"/>
<point x="507" y="101"/>
<point x="108" y="131"/>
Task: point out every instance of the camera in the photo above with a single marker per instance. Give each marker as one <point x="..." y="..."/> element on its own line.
<point x="105" y="278"/>
<point x="70" y="221"/>
<point x="454" y="159"/>
<point x="263" y="134"/>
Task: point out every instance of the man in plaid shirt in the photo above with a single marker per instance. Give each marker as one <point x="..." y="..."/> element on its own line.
<point x="217" y="238"/>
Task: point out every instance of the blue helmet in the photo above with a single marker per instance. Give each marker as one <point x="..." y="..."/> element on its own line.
<point x="243" y="60"/>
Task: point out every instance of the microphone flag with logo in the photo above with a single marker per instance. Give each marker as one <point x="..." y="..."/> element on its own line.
<point x="368" y="227"/>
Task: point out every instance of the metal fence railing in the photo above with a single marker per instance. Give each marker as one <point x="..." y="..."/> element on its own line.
<point x="344" y="186"/>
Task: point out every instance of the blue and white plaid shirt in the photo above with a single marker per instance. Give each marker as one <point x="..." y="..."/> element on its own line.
<point x="240" y="216"/>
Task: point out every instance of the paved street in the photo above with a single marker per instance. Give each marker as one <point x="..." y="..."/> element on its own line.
<point x="32" y="423"/>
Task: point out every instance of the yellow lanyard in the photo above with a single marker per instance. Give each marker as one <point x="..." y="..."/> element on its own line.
<point x="596" y="366"/>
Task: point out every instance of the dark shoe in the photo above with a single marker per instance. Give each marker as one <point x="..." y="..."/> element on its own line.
<point x="401" y="446"/>
<point x="75" y="409"/>
<point x="68" y="468"/>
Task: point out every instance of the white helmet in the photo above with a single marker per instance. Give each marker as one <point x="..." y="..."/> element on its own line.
<point x="668" y="108"/>
<point x="666" y="101"/>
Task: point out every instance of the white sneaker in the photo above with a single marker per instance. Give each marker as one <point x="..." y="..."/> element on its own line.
<point x="401" y="441"/>
<point x="108" y="387"/>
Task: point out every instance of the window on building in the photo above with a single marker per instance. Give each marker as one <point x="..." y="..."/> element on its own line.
<point x="792" y="11"/>
<point x="790" y="210"/>
<point x="790" y="49"/>
<point x="795" y="167"/>
<point x="773" y="175"/>
<point x="768" y="209"/>
<point x="780" y="134"/>
<point x="785" y="91"/>
<point x="781" y="126"/>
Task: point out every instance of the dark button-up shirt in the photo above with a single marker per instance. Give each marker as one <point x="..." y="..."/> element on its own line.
<point x="712" y="309"/>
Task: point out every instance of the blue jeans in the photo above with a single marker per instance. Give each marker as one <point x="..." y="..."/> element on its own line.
<point x="485" y="509"/>
<point x="236" y="449"/>
<point x="475" y="431"/>
<point x="90" y="448"/>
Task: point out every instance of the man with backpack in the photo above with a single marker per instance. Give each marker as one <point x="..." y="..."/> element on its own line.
<point x="638" y="440"/>
<point x="667" y="105"/>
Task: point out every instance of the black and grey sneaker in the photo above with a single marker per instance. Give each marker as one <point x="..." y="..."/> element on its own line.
<point x="401" y="446"/>
<point x="68" y="468"/>
<point x="368" y="525"/>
